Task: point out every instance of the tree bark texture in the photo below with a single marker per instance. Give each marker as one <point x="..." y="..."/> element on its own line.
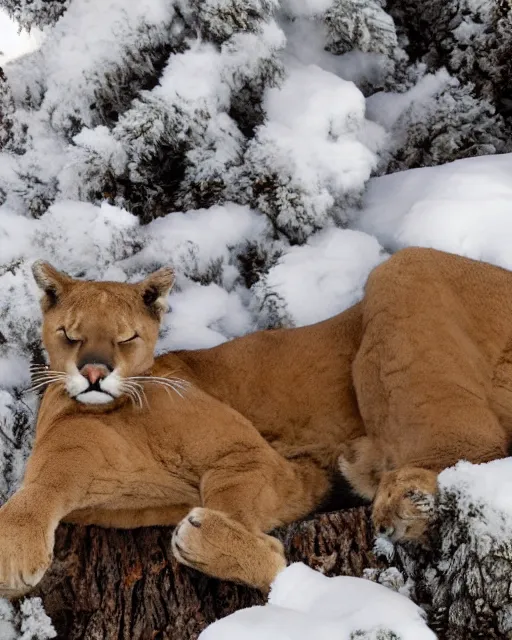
<point x="107" y="584"/>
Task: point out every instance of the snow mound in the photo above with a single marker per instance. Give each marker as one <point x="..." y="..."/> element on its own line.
<point x="319" y="147"/>
<point x="321" y="278"/>
<point x="199" y="243"/>
<point x="463" y="207"/>
<point x="304" y="604"/>
<point x="483" y="497"/>
<point x="203" y="317"/>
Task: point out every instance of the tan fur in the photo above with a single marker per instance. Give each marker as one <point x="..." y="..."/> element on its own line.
<point x="415" y="377"/>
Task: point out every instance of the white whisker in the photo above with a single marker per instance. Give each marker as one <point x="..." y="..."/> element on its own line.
<point x="176" y="381"/>
<point x="178" y="385"/>
<point x="136" y="386"/>
<point x="133" y="395"/>
<point x="168" y="385"/>
<point x="42" y="384"/>
<point x="39" y="373"/>
<point x="168" y="391"/>
<point x="37" y="383"/>
<point x="135" y="390"/>
<point x="164" y="378"/>
<point x="164" y="383"/>
<point x="49" y="379"/>
<point x="53" y="376"/>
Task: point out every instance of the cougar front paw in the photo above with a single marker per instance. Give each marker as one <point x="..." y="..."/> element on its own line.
<point x="187" y="540"/>
<point x="405" y="504"/>
<point x="25" y="553"/>
<point x="211" y="542"/>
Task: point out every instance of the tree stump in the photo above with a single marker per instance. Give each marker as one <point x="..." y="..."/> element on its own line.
<point x="107" y="584"/>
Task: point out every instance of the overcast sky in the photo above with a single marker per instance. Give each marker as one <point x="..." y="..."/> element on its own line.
<point x="12" y="44"/>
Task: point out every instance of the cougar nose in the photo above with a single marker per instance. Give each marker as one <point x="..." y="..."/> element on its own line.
<point x="94" y="372"/>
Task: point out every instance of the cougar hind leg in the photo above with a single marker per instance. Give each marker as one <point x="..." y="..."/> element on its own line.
<point x="362" y="462"/>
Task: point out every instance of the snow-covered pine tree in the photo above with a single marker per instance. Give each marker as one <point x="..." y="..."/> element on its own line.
<point x="35" y="13"/>
<point x="473" y="40"/>
<point x="362" y="25"/>
<point x="6" y="111"/>
<point x="447" y="124"/>
<point x="459" y="116"/>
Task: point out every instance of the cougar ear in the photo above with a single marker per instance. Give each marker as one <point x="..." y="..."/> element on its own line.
<point x="51" y="282"/>
<point x="155" y="289"/>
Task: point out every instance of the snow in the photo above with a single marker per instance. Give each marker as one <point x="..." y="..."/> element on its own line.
<point x="320" y="144"/>
<point x="483" y="495"/>
<point x="35" y="624"/>
<point x="200" y="241"/>
<point x="464" y="207"/>
<point x="306" y="43"/>
<point x="304" y="604"/>
<point x="87" y="235"/>
<point x="245" y="53"/>
<point x="384" y="548"/>
<point x="202" y="317"/>
<point x="14" y="371"/>
<point x="84" y="51"/>
<point x="15" y="232"/>
<point x="306" y="8"/>
<point x="30" y="622"/>
<point x="391" y="578"/>
<point x="322" y="277"/>
<point x="331" y="105"/>
<point x="386" y="107"/>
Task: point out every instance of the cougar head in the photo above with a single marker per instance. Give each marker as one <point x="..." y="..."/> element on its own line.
<point x="99" y="335"/>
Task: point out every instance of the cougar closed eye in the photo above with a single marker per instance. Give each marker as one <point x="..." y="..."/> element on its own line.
<point x="62" y="330"/>
<point x="135" y="335"/>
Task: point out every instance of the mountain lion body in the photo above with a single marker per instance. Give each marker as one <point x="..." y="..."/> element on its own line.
<point x="230" y="442"/>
